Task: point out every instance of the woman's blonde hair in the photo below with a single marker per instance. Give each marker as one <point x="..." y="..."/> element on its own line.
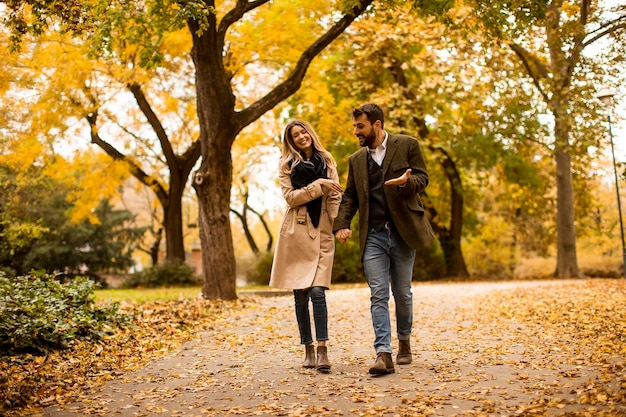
<point x="291" y="156"/>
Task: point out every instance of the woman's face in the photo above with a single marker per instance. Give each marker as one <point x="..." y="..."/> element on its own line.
<point x="302" y="140"/>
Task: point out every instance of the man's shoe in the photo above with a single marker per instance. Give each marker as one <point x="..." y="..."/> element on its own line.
<point x="404" y="353"/>
<point x="383" y="364"/>
<point x="309" y="356"/>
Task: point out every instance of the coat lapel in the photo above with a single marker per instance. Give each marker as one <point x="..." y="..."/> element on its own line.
<point x="363" y="171"/>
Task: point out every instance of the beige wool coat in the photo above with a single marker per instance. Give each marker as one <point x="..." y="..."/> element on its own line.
<point x="304" y="255"/>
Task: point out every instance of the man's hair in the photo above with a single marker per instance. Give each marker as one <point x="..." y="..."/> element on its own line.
<point x="372" y="111"/>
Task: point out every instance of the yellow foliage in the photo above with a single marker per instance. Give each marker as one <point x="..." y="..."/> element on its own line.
<point x="24" y="152"/>
<point x="177" y="43"/>
<point x="97" y="176"/>
<point x="492" y="252"/>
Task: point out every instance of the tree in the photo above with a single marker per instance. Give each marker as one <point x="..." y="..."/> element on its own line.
<point x="439" y="86"/>
<point x="38" y="233"/>
<point x="154" y="136"/>
<point x="245" y="224"/>
<point x="548" y="38"/>
<point x="216" y="58"/>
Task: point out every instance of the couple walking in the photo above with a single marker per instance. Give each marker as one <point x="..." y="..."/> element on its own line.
<point x="385" y="178"/>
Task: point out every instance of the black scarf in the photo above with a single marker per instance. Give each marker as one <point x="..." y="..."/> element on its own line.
<point x="305" y="173"/>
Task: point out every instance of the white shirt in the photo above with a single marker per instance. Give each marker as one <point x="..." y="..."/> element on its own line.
<point x="379" y="152"/>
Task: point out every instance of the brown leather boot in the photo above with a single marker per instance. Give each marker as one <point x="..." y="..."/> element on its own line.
<point x="383" y="364"/>
<point x="404" y="353"/>
<point x="309" y="356"/>
<point x="322" y="359"/>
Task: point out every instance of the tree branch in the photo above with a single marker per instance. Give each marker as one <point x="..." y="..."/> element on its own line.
<point x="608" y="29"/>
<point x="578" y="46"/>
<point x="526" y="59"/>
<point x="154" y="121"/>
<point x="270" y="238"/>
<point x="242" y="7"/>
<point x="133" y="167"/>
<point x="294" y="80"/>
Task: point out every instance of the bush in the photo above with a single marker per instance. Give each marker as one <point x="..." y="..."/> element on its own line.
<point x="169" y="274"/>
<point x="347" y="266"/>
<point x="430" y="264"/>
<point x="38" y="313"/>
<point x="260" y="274"/>
<point x="493" y="253"/>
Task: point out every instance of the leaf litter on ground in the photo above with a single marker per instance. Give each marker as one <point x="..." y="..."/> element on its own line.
<point x="518" y="348"/>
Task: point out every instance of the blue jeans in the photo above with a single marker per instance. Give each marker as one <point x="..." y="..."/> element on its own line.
<point x="317" y="296"/>
<point x="387" y="259"/>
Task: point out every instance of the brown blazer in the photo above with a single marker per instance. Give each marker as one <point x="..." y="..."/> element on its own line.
<point x="404" y="203"/>
<point x="304" y="255"/>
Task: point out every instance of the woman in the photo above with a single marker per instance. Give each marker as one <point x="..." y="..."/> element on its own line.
<point x="305" y="248"/>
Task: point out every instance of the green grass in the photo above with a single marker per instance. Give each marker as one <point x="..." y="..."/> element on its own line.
<point x="147" y="294"/>
<point x="164" y="294"/>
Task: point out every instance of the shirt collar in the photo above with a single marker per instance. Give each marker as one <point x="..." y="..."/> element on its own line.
<point x="382" y="147"/>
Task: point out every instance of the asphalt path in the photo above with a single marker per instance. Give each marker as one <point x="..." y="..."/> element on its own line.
<point x="249" y="363"/>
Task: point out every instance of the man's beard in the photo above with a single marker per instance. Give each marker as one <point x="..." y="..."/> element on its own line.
<point x="367" y="140"/>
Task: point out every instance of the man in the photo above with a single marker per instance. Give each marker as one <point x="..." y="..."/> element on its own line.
<point x="385" y="178"/>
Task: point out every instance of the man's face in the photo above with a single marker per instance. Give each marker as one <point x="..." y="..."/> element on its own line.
<point x="364" y="130"/>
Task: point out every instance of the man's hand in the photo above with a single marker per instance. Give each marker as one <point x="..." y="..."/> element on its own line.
<point x="401" y="180"/>
<point x="343" y="235"/>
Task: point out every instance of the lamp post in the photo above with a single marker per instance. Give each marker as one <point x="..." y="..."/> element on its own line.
<point x="606" y="97"/>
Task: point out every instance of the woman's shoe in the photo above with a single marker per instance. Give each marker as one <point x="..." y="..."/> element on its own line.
<point x="323" y="365"/>
<point x="309" y="356"/>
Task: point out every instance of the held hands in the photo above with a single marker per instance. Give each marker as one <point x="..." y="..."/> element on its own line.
<point x="330" y="185"/>
<point x="401" y="180"/>
<point x="343" y="235"/>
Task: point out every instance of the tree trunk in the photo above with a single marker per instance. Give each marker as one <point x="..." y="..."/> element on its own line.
<point x="220" y="124"/>
<point x="212" y="184"/>
<point x="450" y="238"/>
<point x="566" y="261"/>
<point x="219" y="127"/>
<point x="455" y="263"/>
<point x="173" y="222"/>
<point x="218" y="254"/>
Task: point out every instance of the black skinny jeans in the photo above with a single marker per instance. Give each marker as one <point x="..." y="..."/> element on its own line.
<point x="317" y="295"/>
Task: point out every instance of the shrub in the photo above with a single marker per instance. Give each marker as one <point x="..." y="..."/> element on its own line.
<point x="430" y="264"/>
<point x="347" y="266"/>
<point x="260" y="274"/>
<point x="38" y="313"/>
<point x="169" y="274"/>
<point x="493" y="253"/>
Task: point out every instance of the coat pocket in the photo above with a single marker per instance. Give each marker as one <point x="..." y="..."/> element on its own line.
<point x="294" y="217"/>
<point x="415" y="204"/>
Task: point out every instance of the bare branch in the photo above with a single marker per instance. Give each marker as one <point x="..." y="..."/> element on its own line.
<point x="270" y="237"/>
<point x="606" y="32"/>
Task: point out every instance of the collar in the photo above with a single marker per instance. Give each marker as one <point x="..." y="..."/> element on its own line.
<point x="380" y="148"/>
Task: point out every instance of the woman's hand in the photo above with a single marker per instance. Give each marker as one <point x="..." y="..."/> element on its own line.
<point x="343" y="235"/>
<point x="330" y="185"/>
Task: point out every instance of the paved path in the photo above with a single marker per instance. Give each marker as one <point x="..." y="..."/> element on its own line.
<point x="250" y="365"/>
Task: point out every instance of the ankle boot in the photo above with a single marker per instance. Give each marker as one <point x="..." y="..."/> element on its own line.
<point x="309" y="356"/>
<point x="404" y="353"/>
<point x="383" y="364"/>
<point x="323" y="365"/>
